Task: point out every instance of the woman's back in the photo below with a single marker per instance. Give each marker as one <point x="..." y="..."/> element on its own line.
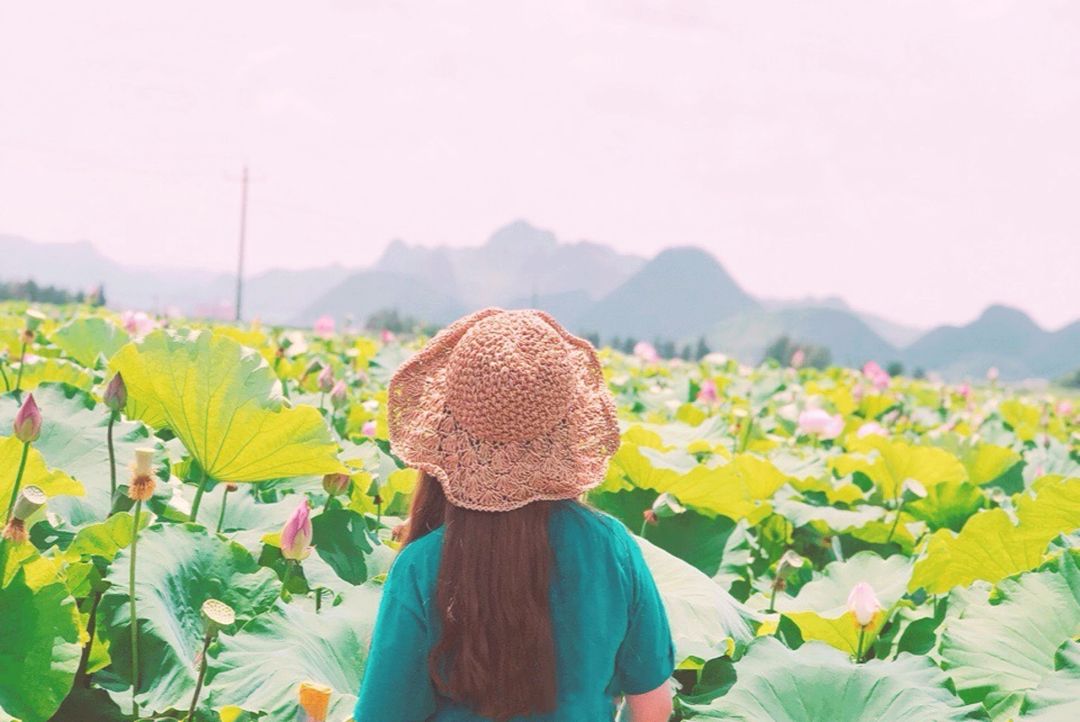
<point x="611" y="634"/>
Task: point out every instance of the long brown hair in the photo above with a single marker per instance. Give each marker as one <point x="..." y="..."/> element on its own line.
<point x="496" y="651"/>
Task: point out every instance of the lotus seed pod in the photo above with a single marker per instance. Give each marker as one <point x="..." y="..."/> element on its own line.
<point x="314" y="701"/>
<point x="789" y="562"/>
<point x="217" y="615"/>
<point x="34" y="319"/>
<point x="115" y="396"/>
<point x="335" y="484"/>
<point x="27" y="422"/>
<point x="142" y="476"/>
<point x="31" y="498"/>
<point x="667" y="505"/>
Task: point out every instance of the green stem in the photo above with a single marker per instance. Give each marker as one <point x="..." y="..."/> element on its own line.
<point x="112" y="458"/>
<point x="221" y="516"/>
<point x="202" y="675"/>
<point x="134" y="618"/>
<point x="318" y="599"/>
<point x="22" y="362"/>
<point x="7" y="384"/>
<point x="745" y="440"/>
<point x="772" y="599"/>
<point x="286" y="577"/>
<point x="378" y="512"/>
<point x="644" y="526"/>
<point x="859" y="649"/>
<point x="896" y="521"/>
<point x="81" y="676"/>
<point x="198" y="496"/>
<point x="18" y="481"/>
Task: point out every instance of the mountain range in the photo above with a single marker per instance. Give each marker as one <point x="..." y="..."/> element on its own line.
<point x="681" y="294"/>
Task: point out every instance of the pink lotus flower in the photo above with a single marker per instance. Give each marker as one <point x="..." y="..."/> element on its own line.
<point x="368" y="429"/>
<point x="339" y="394"/>
<point x="707" y="393"/>
<point x="992" y="374"/>
<point x="324" y="326"/>
<point x="871" y="428"/>
<point x="878" y="376"/>
<point x="818" y="422"/>
<point x="646" y="352"/>
<point x="863" y="604"/>
<point x="137" y="323"/>
<point x="296" y="534"/>
<point x="115" y="395"/>
<point x="387" y="336"/>
<point x="326" y="379"/>
<point x="798" y="358"/>
<point x="27" y="423"/>
<point x="964" y="390"/>
<point x="1064" y="409"/>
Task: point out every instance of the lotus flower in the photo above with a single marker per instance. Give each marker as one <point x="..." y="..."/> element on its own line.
<point x="863" y="604"/>
<point x="387" y="336"/>
<point x="871" y="428"/>
<point x="324" y="327"/>
<point x="28" y="421"/>
<point x="707" y="393"/>
<point x="296" y="534"/>
<point x="878" y="376"/>
<point x="335" y="484"/>
<point x="137" y="323"/>
<point x="368" y="429"/>
<point x="115" y="396"/>
<point x="646" y="352"/>
<point x="798" y="358"/>
<point x="818" y="422"/>
<point x="1064" y="409"/>
<point x="339" y="394"/>
<point x="964" y="390"/>
<point x="326" y="379"/>
<point x="992" y="374"/>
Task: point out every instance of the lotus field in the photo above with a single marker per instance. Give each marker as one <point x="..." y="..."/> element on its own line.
<point x="198" y="519"/>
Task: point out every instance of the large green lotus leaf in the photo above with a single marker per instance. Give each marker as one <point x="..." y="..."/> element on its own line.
<point x="289" y="645"/>
<point x="89" y="339"/>
<point x="998" y="648"/>
<point x="739" y="489"/>
<point x="827" y="518"/>
<point x="827" y="594"/>
<point x="36" y="473"/>
<point x="890" y="463"/>
<point x="39" y="649"/>
<point x="1058" y="697"/>
<point x="73" y="438"/>
<point x="816" y="683"/>
<point x="986" y="463"/>
<point x="180" y="566"/>
<point x="1022" y="418"/>
<point x="104" y="539"/>
<point x="705" y="620"/>
<point x="224" y="402"/>
<point x="947" y="505"/>
<point x="991" y="547"/>
<point x="54" y="370"/>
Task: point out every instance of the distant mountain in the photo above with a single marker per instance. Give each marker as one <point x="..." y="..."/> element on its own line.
<point x="681" y="292"/>
<point x="849" y="339"/>
<point x="1002" y="337"/>
<point x="897" y="334"/>
<point x="365" y="292"/>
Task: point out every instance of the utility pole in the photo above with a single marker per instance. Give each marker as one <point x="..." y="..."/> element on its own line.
<point x="243" y="233"/>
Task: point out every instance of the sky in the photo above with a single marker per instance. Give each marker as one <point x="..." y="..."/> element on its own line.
<point x="918" y="158"/>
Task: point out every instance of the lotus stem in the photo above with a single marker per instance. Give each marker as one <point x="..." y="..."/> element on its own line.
<point x="3" y="374"/>
<point x="22" y="362"/>
<point x="745" y="440"/>
<point x="134" y="619"/>
<point x="81" y="676"/>
<point x="198" y="496"/>
<point x="112" y="457"/>
<point x="202" y="675"/>
<point x="18" y="481"/>
<point x="859" y="648"/>
<point x="772" y="599"/>
<point x="896" y="521"/>
<point x="318" y="599"/>
<point x="221" y="516"/>
<point x="289" y="564"/>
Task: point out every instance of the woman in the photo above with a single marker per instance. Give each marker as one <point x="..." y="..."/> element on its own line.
<point x="511" y="600"/>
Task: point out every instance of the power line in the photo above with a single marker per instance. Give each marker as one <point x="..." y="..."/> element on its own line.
<point x="243" y="234"/>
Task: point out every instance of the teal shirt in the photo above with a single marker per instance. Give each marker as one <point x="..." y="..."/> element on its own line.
<point x="611" y="633"/>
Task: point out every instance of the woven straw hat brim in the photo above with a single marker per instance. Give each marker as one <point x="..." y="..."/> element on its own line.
<point x="484" y="475"/>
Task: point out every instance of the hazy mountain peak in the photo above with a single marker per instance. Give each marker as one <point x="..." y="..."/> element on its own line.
<point x="1002" y="315"/>
<point x="521" y="236"/>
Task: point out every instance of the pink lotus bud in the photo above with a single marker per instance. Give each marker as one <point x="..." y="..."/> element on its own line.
<point x="863" y="604"/>
<point x="326" y="379"/>
<point x="116" y="393"/>
<point x="992" y="374"/>
<point x="28" y="421"/>
<point x="871" y="428"/>
<point x="368" y="429"/>
<point x="708" y="393"/>
<point x="1064" y="409"/>
<point x="296" y="534"/>
<point x="335" y="484"/>
<point x="387" y="336"/>
<point x="324" y="327"/>
<point x="650" y="517"/>
<point x="878" y="376"/>
<point x="339" y="394"/>
<point x="798" y="358"/>
<point x="964" y="390"/>
<point x="646" y="352"/>
<point x="817" y="422"/>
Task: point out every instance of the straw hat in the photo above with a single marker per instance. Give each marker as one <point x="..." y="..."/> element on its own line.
<point x="504" y="408"/>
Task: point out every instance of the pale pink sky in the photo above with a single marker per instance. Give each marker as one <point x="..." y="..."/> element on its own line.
<point x="919" y="158"/>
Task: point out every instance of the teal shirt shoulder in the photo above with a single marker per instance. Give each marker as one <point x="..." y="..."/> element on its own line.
<point x="611" y="634"/>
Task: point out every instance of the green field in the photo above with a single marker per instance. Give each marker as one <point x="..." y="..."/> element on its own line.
<point x="762" y="496"/>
